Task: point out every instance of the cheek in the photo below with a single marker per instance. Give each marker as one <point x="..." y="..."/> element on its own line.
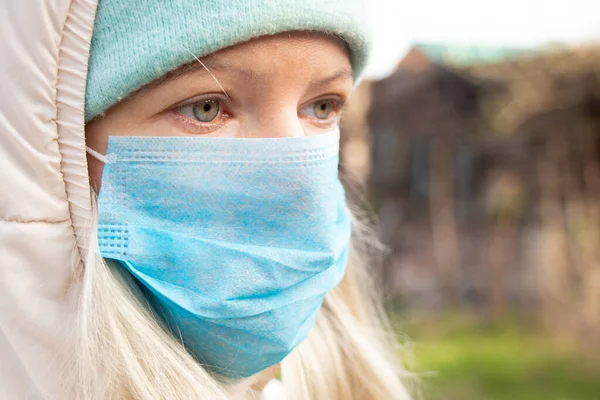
<point x="96" y="139"/>
<point x="95" y="168"/>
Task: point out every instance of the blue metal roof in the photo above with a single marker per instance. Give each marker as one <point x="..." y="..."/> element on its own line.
<point x="464" y="54"/>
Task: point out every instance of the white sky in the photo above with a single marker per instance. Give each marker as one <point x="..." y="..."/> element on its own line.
<point x="398" y="23"/>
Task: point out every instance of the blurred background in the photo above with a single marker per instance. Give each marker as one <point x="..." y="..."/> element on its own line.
<point x="476" y="138"/>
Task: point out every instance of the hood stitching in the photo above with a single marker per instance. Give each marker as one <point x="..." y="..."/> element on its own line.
<point x="32" y="221"/>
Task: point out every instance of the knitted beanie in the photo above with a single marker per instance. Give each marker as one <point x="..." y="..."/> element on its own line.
<point x="137" y="41"/>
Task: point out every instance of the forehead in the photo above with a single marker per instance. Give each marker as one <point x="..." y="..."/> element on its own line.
<point x="267" y="55"/>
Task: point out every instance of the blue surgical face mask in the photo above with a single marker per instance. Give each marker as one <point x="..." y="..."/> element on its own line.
<point x="234" y="241"/>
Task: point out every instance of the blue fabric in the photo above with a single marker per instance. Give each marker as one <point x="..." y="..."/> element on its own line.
<point x="236" y="241"/>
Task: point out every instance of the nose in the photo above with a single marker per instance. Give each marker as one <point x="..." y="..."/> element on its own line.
<point x="279" y="123"/>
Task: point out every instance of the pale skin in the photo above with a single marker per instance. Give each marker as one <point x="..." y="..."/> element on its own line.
<point x="286" y="85"/>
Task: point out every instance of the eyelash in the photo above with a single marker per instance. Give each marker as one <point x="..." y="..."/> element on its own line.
<point x="199" y="127"/>
<point x="337" y="109"/>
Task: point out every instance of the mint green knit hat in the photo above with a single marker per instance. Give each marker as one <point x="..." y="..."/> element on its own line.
<point x="137" y="41"/>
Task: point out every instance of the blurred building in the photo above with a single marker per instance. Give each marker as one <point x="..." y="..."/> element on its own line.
<point x="484" y="166"/>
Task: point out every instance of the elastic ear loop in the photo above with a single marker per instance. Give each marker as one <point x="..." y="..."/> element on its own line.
<point x="106" y="159"/>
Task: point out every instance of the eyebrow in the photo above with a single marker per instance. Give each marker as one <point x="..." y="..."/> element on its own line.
<point x="213" y="65"/>
<point x="344" y="73"/>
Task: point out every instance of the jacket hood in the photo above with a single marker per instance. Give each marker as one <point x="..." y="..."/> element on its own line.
<point x="45" y="205"/>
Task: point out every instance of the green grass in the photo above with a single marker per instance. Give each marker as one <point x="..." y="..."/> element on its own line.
<point x="464" y="360"/>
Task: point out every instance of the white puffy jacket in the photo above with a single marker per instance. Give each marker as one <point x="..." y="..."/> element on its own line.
<point x="44" y="191"/>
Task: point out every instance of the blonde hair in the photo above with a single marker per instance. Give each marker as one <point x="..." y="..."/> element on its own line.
<point x="122" y="351"/>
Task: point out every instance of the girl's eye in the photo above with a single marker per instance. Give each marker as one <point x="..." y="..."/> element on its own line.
<point x="323" y="108"/>
<point x="203" y="111"/>
<point x="207" y="110"/>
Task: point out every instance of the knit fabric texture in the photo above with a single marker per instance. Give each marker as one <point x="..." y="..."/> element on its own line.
<point x="137" y="41"/>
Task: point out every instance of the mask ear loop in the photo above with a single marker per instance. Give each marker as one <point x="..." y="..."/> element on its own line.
<point x="106" y="159"/>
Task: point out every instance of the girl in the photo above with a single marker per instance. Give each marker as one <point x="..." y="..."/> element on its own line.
<point x="203" y="247"/>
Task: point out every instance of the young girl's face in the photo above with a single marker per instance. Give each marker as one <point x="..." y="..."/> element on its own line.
<point x="291" y="84"/>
